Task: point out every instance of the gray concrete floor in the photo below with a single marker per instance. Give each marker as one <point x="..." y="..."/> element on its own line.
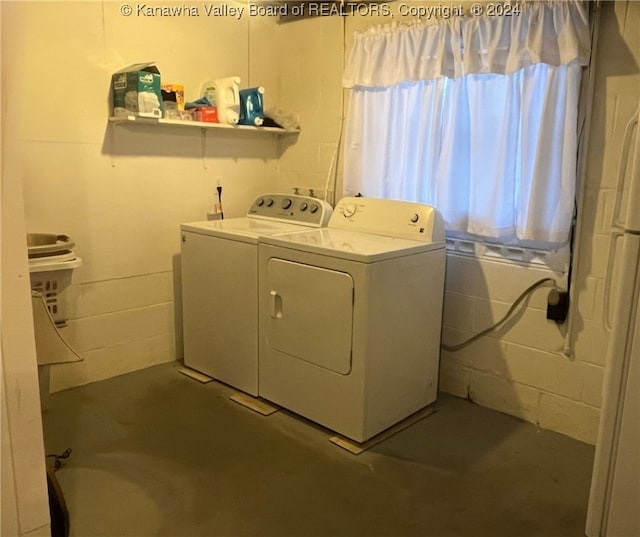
<point x="158" y="454"/>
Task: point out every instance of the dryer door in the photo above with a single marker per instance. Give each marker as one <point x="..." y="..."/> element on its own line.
<point x="310" y="313"/>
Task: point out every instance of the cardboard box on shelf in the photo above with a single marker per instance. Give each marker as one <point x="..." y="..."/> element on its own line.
<point x="178" y="89"/>
<point x="208" y="114"/>
<point x="136" y="90"/>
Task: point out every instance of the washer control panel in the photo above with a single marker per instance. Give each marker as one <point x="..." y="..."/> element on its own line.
<point x="291" y="208"/>
<point x="391" y="218"/>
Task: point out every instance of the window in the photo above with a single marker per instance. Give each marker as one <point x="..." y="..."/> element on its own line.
<point x="476" y="117"/>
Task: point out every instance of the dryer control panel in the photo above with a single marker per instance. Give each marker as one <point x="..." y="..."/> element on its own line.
<point x="391" y="218"/>
<point x="292" y="208"/>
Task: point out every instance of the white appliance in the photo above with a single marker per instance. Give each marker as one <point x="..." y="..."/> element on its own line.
<point x="220" y="284"/>
<point x="614" y="502"/>
<point x="350" y="316"/>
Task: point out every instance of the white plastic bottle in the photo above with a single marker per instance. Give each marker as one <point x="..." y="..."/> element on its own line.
<point x="224" y="94"/>
<point x="209" y="91"/>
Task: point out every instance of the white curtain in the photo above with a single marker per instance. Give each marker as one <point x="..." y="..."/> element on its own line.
<point x="477" y="117"/>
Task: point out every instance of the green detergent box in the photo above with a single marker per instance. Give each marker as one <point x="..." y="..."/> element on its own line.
<point x="136" y="91"/>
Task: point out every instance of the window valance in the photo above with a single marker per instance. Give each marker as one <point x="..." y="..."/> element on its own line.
<point x="555" y="33"/>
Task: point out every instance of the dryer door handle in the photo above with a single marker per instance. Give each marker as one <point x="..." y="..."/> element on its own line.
<point x="275" y="304"/>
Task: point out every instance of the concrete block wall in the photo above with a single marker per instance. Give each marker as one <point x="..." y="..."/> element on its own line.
<point x="121" y="191"/>
<point x="307" y="54"/>
<point x="521" y="368"/>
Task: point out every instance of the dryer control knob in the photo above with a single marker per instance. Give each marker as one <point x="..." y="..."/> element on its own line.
<point x="286" y="203"/>
<point x="415" y="217"/>
<point x="349" y="210"/>
<point x="260" y="202"/>
<point x="304" y="206"/>
<point x="269" y="202"/>
<point x="314" y="208"/>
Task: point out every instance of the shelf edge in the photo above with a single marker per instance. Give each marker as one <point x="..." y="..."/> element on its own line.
<point x="197" y="124"/>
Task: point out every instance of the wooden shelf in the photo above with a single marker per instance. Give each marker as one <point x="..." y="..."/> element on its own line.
<point x="137" y="120"/>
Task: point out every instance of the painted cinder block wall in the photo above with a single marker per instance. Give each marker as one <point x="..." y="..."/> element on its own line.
<point x="121" y="191"/>
<point x="306" y="54"/>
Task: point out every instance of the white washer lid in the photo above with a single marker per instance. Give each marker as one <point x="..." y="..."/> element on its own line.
<point x="351" y="245"/>
<point x="241" y="229"/>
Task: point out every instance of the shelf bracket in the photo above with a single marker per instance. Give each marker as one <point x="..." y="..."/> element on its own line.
<point x="112" y="142"/>
<point x="203" y="147"/>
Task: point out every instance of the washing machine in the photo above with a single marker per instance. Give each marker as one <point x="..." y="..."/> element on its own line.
<point x="351" y="314"/>
<point x="220" y="284"/>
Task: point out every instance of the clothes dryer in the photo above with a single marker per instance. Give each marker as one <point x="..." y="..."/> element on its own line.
<point x="220" y="284"/>
<point x="351" y="314"/>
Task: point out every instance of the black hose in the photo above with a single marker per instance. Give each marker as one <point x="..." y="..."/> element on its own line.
<point x="523" y="295"/>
